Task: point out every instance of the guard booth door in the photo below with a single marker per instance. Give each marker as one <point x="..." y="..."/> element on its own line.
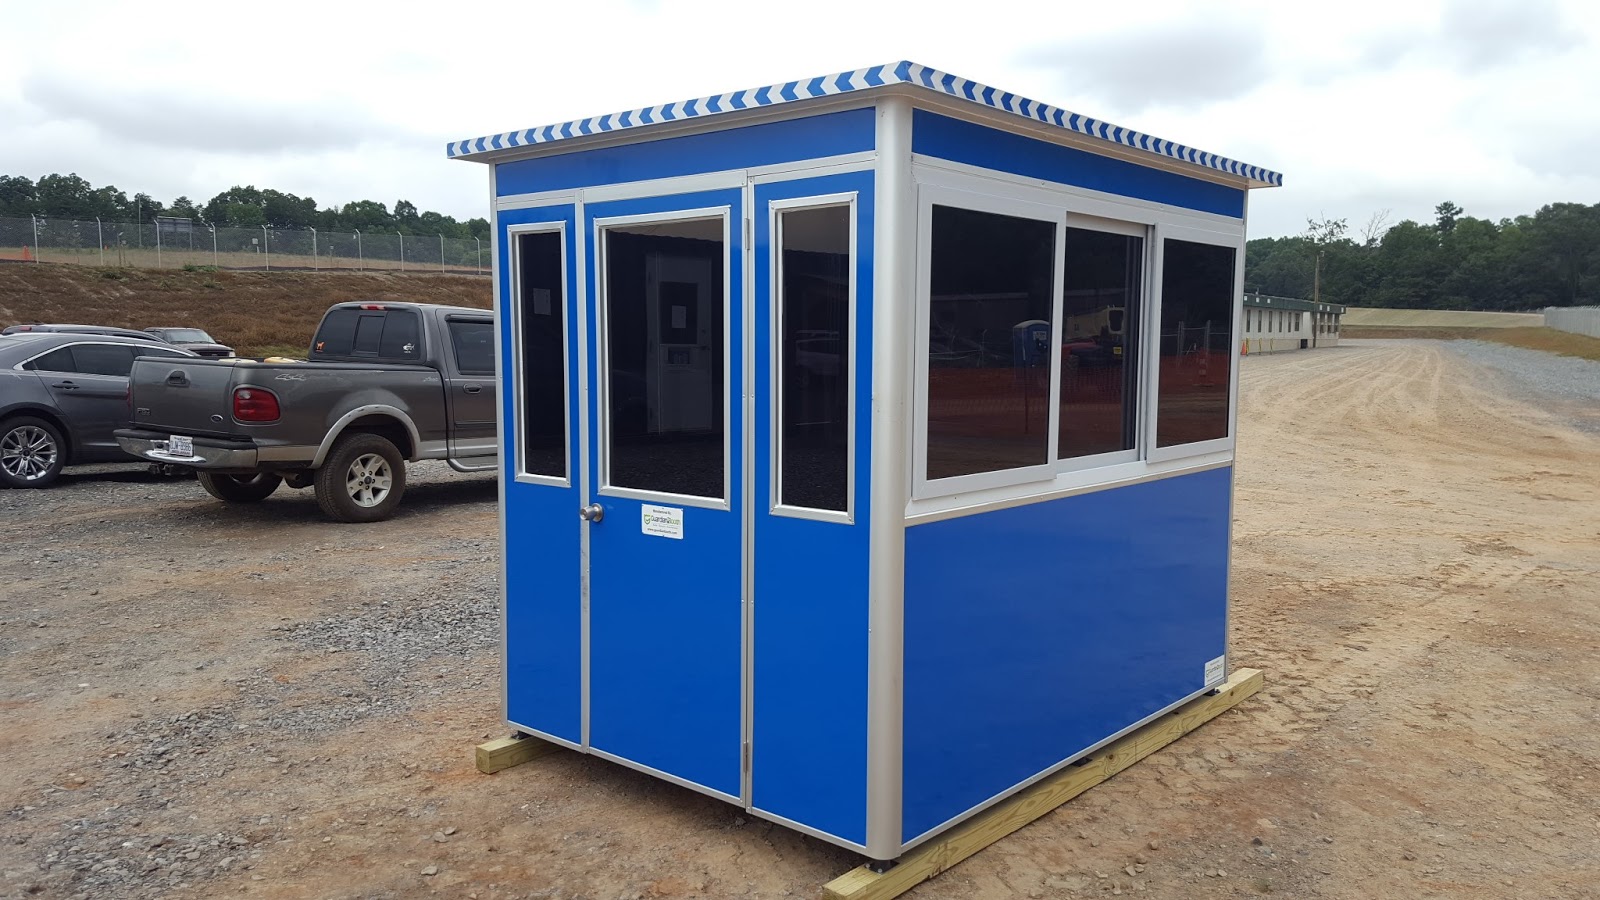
<point x="662" y="499"/>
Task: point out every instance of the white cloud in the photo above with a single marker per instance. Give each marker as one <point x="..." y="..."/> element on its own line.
<point x="1362" y="105"/>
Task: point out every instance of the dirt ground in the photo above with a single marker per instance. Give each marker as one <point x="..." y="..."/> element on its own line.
<point x="199" y="701"/>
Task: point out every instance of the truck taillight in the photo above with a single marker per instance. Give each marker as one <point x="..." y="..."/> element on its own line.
<point x="255" y="405"/>
<point x="373" y="306"/>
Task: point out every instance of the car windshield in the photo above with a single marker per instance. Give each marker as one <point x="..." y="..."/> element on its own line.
<point x="194" y="335"/>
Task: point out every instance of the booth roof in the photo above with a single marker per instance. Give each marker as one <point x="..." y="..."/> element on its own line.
<point x="484" y="149"/>
<point x="1293" y="304"/>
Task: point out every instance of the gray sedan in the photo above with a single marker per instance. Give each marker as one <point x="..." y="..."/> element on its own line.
<point x="61" y="396"/>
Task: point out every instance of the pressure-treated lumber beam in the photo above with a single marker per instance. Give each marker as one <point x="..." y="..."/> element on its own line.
<point x="928" y="860"/>
<point x="503" y="753"/>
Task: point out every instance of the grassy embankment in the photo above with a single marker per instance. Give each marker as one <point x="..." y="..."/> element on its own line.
<point x="1549" y="340"/>
<point x="256" y="313"/>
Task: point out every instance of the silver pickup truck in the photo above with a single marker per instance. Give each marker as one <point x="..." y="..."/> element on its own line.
<point x="385" y="383"/>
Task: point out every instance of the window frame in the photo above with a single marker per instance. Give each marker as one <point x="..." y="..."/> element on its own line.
<point x="1233" y="241"/>
<point x="602" y="353"/>
<point x="518" y="386"/>
<point x="929" y="196"/>
<point x="775" y="211"/>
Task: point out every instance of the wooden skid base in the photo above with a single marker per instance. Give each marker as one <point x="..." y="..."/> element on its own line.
<point x="503" y="753"/>
<point x="928" y="860"/>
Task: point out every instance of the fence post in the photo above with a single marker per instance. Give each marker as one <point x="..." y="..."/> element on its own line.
<point x="100" y="238"/>
<point x="402" y="250"/>
<point x="214" y="263"/>
<point x="158" y="242"/>
<point x="313" y="247"/>
<point x="361" y="259"/>
<point x="480" y="254"/>
<point x="266" y="246"/>
<point x="36" y="253"/>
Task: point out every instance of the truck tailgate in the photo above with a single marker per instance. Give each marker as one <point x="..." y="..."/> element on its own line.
<point x="185" y="396"/>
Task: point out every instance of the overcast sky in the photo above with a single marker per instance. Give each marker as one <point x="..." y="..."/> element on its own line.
<point x="1363" y="106"/>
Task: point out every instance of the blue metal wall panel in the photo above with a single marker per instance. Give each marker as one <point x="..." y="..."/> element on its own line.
<point x="542" y="547"/>
<point x="665" y="615"/>
<point x="1004" y="151"/>
<point x="809" y="746"/>
<point x="1035" y="632"/>
<point x="811" y="137"/>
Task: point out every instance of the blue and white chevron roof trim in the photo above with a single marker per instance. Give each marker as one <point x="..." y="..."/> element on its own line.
<point x="903" y="72"/>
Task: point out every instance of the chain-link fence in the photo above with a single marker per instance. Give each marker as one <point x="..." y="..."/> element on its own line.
<point x="176" y="243"/>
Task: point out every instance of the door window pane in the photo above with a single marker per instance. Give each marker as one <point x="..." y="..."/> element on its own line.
<point x="541" y="313"/>
<point x="57" y="360"/>
<point x="991" y="280"/>
<point x="1099" y="328"/>
<point x="103" y="359"/>
<point x="1197" y="294"/>
<point x="665" y="352"/>
<point x="814" y="358"/>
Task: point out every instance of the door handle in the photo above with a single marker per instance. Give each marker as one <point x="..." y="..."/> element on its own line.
<point x="594" y="512"/>
<point x="472" y="388"/>
<point x="178" y="378"/>
<point x="65" y="385"/>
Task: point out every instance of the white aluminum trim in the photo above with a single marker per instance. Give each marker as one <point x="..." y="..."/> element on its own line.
<point x="807" y="830"/>
<point x="533" y="200"/>
<point x="1022" y="785"/>
<point x="500" y="432"/>
<point x="602" y="340"/>
<point x="928" y="196"/>
<point x="544" y="736"/>
<point x="776" y="209"/>
<point x="813" y="168"/>
<point x="894" y="279"/>
<point x="747" y="647"/>
<point x="664" y="776"/>
<point x="582" y="266"/>
<point x="1066" y="484"/>
<point x="665" y="187"/>
<point x="518" y="386"/>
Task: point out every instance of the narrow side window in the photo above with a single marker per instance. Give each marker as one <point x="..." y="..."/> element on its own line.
<point x="541" y="300"/>
<point x="1197" y="291"/>
<point x="814" y="271"/>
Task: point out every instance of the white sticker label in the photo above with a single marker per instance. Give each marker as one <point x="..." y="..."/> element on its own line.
<point x="541" y="301"/>
<point x="663" y="521"/>
<point x="1216" y="670"/>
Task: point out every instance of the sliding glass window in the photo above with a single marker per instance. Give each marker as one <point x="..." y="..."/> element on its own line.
<point x="813" y="358"/>
<point x="1196" y="342"/>
<point x="542" y="351"/>
<point x="1100" y="329"/>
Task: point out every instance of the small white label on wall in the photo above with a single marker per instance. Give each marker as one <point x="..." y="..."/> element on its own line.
<point x="541" y="301"/>
<point x="1216" y="670"/>
<point x="667" y="522"/>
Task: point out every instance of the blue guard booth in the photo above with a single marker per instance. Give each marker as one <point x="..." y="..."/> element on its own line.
<point x="868" y="440"/>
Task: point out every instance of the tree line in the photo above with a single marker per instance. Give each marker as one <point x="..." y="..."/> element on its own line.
<point x="1550" y="258"/>
<point x="72" y="197"/>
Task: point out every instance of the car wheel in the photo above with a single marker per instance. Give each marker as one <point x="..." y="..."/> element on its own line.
<point x="31" y="452"/>
<point x="362" y="479"/>
<point x="239" y="488"/>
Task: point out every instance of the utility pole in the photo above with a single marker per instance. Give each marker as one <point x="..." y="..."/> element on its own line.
<point x="1316" y="280"/>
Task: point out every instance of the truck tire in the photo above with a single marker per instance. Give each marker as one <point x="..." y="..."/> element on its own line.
<point x="32" y="452"/>
<point x="239" y="488"/>
<point x="362" y="479"/>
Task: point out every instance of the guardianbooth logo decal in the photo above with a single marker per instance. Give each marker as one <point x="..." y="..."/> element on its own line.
<point x="662" y="521"/>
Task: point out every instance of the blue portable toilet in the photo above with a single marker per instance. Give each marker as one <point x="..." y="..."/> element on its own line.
<point x="867" y="440"/>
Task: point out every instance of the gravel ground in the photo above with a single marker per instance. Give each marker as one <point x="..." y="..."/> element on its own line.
<point x="201" y="700"/>
<point x="1573" y="383"/>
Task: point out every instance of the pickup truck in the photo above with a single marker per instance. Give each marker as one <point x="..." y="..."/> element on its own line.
<point x="384" y="383"/>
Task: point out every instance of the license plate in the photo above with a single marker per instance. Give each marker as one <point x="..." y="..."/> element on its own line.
<point x="180" y="445"/>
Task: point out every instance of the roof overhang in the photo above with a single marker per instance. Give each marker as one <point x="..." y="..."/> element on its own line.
<point x="859" y="86"/>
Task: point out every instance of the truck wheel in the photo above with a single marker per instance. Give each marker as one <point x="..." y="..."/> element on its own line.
<point x="362" y="479"/>
<point x="31" y="452"/>
<point x="239" y="488"/>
